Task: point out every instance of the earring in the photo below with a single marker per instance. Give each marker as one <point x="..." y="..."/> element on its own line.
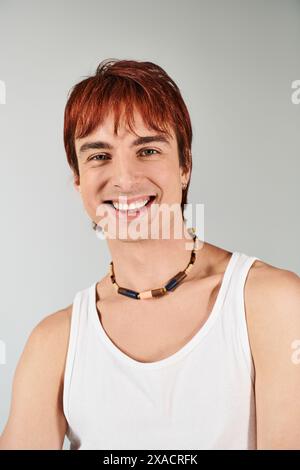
<point x="184" y="185"/>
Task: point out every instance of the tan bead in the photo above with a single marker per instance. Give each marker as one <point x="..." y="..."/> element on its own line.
<point x="198" y="245"/>
<point x="189" y="268"/>
<point x="145" y="295"/>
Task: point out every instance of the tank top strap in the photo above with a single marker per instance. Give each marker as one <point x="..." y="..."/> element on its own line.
<point x="79" y="309"/>
<point x="238" y="274"/>
<point x="235" y="308"/>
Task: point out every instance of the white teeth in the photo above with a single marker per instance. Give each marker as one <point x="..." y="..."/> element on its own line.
<point x="132" y="206"/>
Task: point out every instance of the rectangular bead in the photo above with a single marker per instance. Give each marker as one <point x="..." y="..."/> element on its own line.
<point x="128" y="292"/>
<point x="158" y="292"/>
<point x="175" y="280"/>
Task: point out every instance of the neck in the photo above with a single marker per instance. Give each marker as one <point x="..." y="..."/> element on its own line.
<point x="147" y="264"/>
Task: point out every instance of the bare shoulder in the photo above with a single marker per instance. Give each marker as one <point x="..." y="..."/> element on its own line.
<point x="54" y="327"/>
<point x="272" y="300"/>
<point x="272" y="304"/>
<point x="36" y="419"/>
<point x="269" y="288"/>
<point x="51" y="336"/>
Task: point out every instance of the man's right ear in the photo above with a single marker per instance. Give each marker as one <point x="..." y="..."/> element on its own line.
<point x="77" y="184"/>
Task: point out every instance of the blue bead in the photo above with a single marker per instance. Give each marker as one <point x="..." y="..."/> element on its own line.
<point x="173" y="283"/>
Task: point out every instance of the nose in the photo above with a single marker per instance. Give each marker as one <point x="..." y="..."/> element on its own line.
<point x="125" y="172"/>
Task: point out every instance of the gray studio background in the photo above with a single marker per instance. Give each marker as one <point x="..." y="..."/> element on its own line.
<point x="234" y="62"/>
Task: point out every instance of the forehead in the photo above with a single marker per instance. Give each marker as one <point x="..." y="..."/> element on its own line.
<point x="105" y="131"/>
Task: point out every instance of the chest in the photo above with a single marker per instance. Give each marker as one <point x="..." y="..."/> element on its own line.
<point x="153" y="329"/>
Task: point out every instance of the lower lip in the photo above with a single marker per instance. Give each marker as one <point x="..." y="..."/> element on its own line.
<point x="130" y="216"/>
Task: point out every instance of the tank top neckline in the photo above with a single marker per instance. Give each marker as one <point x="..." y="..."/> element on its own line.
<point x="186" y="348"/>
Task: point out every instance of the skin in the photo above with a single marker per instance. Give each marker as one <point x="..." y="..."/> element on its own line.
<point x="272" y="307"/>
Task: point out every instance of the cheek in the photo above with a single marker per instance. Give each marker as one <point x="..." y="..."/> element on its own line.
<point x="90" y="196"/>
<point x="90" y="205"/>
<point x="169" y="179"/>
<point x="168" y="172"/>
<point x="91" y="181"/>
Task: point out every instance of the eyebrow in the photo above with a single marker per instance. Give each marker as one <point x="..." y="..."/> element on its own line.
<point x="97" y="145"/>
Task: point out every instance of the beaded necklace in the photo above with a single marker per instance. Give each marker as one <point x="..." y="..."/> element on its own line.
<point x="171" y="285"/>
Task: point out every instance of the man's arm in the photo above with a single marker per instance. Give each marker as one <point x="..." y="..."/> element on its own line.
<point x="272" y="297"/>
<point x="36" y="419"/>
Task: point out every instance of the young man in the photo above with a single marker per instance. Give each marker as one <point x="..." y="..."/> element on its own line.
<point x="206" y="361"/>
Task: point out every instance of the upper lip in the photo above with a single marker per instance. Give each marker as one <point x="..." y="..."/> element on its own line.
<point x="127" y="200"/>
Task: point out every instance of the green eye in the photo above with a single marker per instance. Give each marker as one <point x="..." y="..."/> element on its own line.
<point x="149" y="150"/>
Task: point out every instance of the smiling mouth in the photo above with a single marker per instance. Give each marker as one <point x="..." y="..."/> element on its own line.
<point x="126" y="209"/>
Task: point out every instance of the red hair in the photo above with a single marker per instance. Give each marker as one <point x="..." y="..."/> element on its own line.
<point x="126" y="85"/>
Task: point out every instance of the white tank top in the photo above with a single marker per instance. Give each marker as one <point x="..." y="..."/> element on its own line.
<point x="201" y="397"/>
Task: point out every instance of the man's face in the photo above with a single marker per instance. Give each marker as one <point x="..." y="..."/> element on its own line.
<point x="111" y="166"/>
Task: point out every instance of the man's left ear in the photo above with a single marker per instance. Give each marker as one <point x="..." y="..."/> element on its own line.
<point x="185" y="177"/>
